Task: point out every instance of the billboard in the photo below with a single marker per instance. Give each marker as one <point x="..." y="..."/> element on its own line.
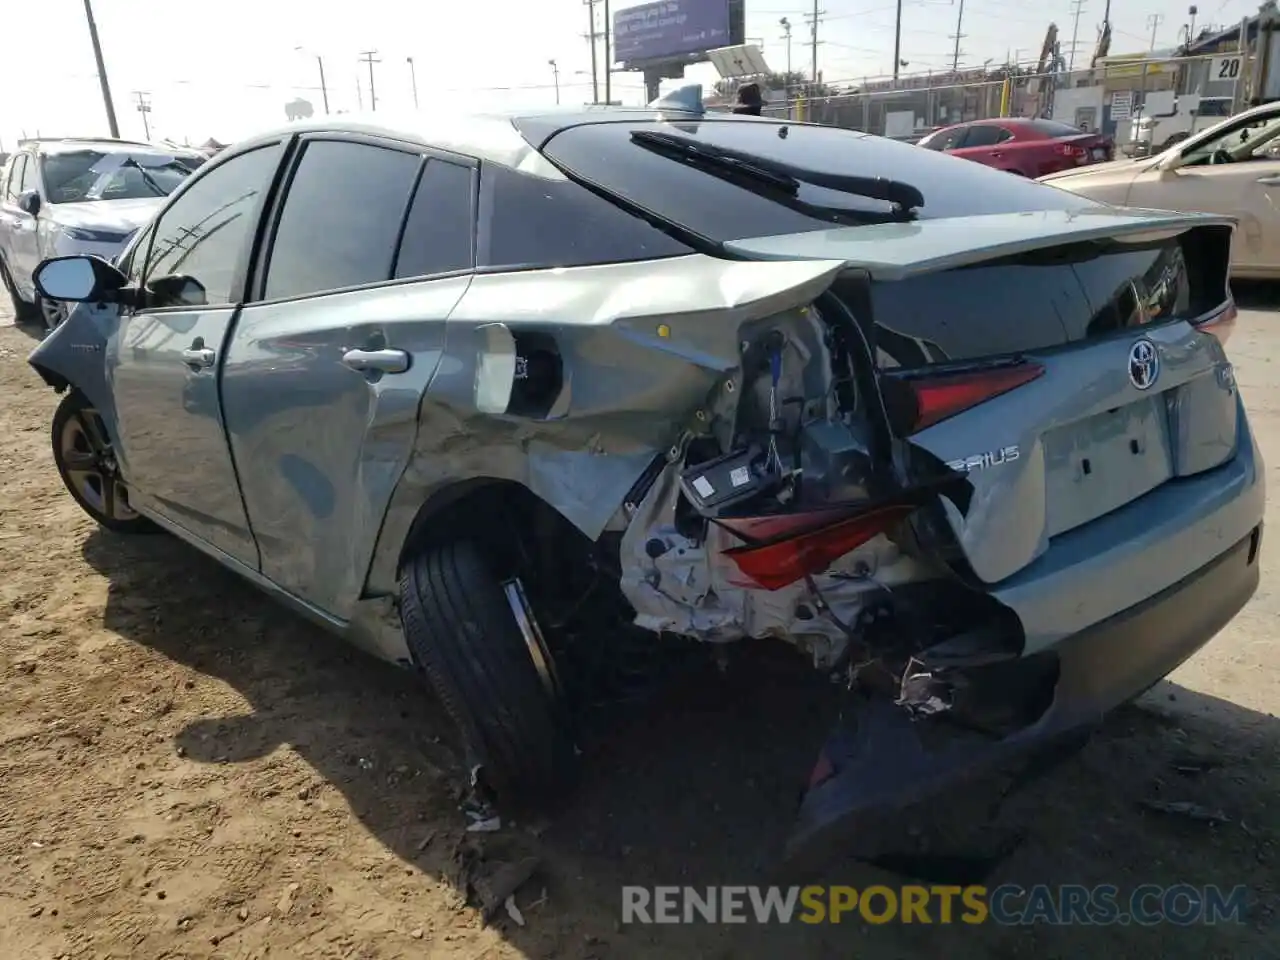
<point x="670" y="28"/>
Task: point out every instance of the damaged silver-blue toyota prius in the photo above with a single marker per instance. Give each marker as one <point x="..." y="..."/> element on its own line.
<point x="469" y="390"/>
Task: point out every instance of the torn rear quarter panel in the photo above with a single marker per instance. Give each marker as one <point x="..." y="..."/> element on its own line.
<point x="631" y="353"/>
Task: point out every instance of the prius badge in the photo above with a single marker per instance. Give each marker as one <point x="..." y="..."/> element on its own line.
<point x="1144" y="364"/>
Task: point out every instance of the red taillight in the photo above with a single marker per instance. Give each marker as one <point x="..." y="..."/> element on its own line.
<point x="1220" y="324"/>
<point x="773" y="566"/>
<point x="932" y="399"/>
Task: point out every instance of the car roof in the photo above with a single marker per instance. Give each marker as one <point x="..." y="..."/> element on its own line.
<point x="106" y="144"/>
<point x="507" y="137"/>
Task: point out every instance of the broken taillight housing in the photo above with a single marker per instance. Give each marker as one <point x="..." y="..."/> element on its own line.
<point x="920" y="400"/>
<point x="1220" y="324"/>
<point x="807" y="551"/>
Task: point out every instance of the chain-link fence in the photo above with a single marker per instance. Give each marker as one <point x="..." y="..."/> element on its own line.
<point x="1127" y="98"/>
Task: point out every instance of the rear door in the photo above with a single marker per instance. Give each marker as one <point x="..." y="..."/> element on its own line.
<point x="370" y="249"/>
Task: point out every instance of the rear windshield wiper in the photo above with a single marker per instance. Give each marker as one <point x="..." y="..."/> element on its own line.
<point x="783" y="177"/>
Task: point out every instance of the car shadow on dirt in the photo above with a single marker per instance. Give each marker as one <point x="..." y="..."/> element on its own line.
<point x="700" y="786"/>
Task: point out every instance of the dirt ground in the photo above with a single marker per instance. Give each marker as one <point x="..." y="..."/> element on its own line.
<point x="188" y="771"/>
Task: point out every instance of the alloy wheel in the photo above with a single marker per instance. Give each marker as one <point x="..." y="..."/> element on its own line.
<point x="91" y="466"/>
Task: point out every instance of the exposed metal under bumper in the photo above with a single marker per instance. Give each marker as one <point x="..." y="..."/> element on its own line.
<point x="878" y="762"/>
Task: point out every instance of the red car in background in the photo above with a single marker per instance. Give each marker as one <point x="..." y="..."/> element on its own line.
<point x="1025" y="146"/>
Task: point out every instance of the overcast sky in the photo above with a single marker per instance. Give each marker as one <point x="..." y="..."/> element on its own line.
<point x="226" y="68"/>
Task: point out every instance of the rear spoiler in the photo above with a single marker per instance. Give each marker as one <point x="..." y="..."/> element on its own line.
<point x="893" y="251"/>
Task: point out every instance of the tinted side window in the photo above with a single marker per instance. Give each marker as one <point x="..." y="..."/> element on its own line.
<point x="983" y="135"/>
<point x="440" y="229"/>
<point x="528" y="221"/>
<point x="203" y="233"/>
<point x="14" y="183"/>
<point x="30" y="178"/>
<point x="341" y="218"/>
<point x="943" y="139"/>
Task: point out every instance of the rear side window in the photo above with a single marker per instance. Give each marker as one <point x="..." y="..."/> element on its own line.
<point x="341" y="218"/>
<point x="440" y="228"/>
<point x="533" y="222"/>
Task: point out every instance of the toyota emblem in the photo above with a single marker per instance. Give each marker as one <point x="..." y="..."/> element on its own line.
<point x="1144" y="364"/>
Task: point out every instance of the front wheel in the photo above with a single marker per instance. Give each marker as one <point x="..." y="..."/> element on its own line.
<point x="86" y="462"/>
<point x="23" y="312"/>
<point x="477" y="638"/>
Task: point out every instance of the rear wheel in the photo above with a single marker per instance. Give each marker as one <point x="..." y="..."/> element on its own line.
<point x="86" y="462"/>
<point x="23" y="312"/>
<point x="475" y="635"/>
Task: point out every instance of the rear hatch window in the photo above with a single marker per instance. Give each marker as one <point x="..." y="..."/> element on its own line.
<point x="715" y="208"/>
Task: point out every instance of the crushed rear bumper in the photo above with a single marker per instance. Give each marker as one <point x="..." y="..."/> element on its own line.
<point x="879" y="762"/>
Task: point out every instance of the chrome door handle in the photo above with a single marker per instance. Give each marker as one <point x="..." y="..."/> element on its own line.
<point x="1271" y="181"/>
<point x="201" y="357"/>
<point x="385" y="361"/>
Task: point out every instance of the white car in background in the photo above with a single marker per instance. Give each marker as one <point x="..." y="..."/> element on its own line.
<point x="1232" y="168"/>
<point x="77" y="196"/>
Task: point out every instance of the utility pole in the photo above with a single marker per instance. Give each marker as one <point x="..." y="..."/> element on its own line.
<point x="608" y="54"/>
<point x="555" y="73"/>
<point x="102" y="71"/>
<point x="1154" y="21"/>
<point x="1075" y="33"/>
<point x="786" y="35"/>
<point x="897" y="41"/>
<point x="144" y="108"/>
<point x="413" y="80"/>
<point x="955" y="58"/>
<point x="370" y="57"/>
<point x="814" y="19"/>
<point x="591" y="39"/>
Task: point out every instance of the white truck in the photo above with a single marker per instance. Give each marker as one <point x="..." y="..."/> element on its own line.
<point x="1156" y="131"/>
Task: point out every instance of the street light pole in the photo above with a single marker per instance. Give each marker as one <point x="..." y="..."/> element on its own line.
<point x="102" y="71"/>
<point x="555" y="72"/>
<point x="413" y="79"/>
<point x="786" y="27"/>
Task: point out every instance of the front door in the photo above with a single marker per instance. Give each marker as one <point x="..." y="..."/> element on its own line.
<point x="165" y="361"/>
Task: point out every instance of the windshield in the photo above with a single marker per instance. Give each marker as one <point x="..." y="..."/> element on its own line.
<point x="84" y="175"/>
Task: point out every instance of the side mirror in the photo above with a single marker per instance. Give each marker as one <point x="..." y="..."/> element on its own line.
<point x="29" y="202"/>
<point x="78" y="279"/>
<point x="176" y="290"/>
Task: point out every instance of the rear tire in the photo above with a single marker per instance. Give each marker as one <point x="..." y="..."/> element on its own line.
<point x="463" y="632"/>
<point x="86" y="462"/>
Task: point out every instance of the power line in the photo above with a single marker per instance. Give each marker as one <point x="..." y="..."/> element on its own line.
<point x="955" y="57"/>
<point x="370" y="57"/>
